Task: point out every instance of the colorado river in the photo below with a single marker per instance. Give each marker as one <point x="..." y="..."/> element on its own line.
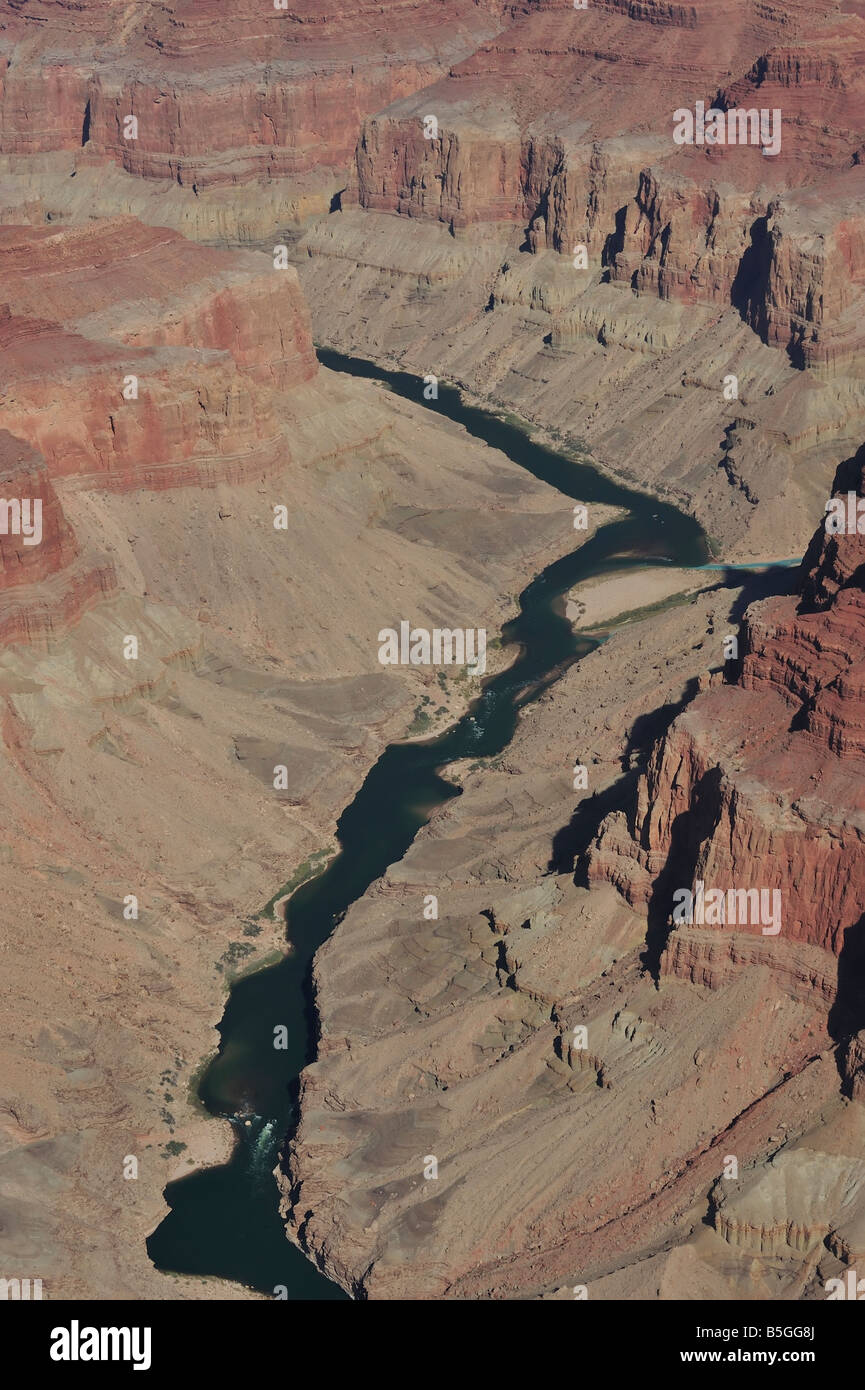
<point x="224" y="1221"/>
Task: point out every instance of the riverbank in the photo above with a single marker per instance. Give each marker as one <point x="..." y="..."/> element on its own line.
<point x="640" y="379"/>
<point x="443" y="1037"/>
<point x="396" y="799"/>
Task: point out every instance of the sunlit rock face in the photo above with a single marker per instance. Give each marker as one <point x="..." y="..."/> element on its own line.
<point x="760" y="782"/>
<point x="222" y="98"/>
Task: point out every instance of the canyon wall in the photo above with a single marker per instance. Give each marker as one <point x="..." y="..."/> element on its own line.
<point x="759" y="782"/>
<point x="130" y="359"/>
<point x="264" y="94"/>
<point x="212" y="506"/>
<point x="716" y="224"/>
<point x="613" y="1101"/>
<point x="555" y="251"/>
<point x="551" y="130"/>
<point x="708" y="347"/>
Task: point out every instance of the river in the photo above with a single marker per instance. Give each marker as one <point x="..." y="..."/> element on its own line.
<point x="224" y="1221"/>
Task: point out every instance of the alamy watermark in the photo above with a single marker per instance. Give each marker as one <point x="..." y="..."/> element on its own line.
<point x="20" y="1290"/>
<point x="77" y="1343"/>
<point x="845" y="515"/>
<point x="442" y="646"/>
<point x="21" y="516"/>
<point x="850" y="1287"/>
<point x="719" y="907"/>
<point x="738" y="126"/>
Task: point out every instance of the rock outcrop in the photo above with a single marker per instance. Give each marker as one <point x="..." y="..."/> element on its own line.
<point x="759" y="784"/>
<point x="579" y="1116"/>
<point x="133" y="358"/>
<point x="537" y="1039"/>
<point x="262" y="97"/>
<point x="704" y="223"/>
<point x="547" y="243"/>
<point x="162" y="648"/>
<point x="156" y="358"/>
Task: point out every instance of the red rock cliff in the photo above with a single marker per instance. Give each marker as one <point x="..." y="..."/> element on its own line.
<point x="210" y="337"/>
<point x="761" y="784"/>
<point x="132" y="359"/>
<point x="222" y="94"/>
<point x="566" y="120"/>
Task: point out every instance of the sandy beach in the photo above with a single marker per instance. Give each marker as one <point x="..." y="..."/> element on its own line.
<point x="599" y="601"/>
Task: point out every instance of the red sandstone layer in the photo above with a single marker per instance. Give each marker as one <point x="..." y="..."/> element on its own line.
<point x="222" y="94"/>
<point x="556" y="119"/>
<point x="133" y="359"/>
<point x="564" y="123"/>
<point x="761" y="784"/>
<point x="44" y="581"/>
<point x="137" y="358"/>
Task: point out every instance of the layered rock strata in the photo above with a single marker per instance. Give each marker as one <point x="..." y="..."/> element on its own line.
<point x="145" y="774"/>
<point x="555" y="250"/>
<point x="264" y="98"/>
<point x="592" y="1082"/>
<point x="759" y="783"/>
<point x="523" y="135"/>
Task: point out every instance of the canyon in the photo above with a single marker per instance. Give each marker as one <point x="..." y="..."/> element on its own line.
<point x="581" y="1069"/>
<point x="490" y="194"/>
<point x="454" y="255"/>
<point x="152" y="779"/>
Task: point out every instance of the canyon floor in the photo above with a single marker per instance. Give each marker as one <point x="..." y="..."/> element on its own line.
<point x="153" y="778"/>
<point x="191" y="197"/>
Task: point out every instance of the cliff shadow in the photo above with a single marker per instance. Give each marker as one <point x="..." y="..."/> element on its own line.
<point x="847" y="1014"/>
<point x="751" y="276"/>
<point x="613" y="244"/>
<point x="820" y="556"/>
<point x="571" y="842"/>
<point x="778" y="581"/>
<point x="648" y="729"/>
<point x="689" y="832"/>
